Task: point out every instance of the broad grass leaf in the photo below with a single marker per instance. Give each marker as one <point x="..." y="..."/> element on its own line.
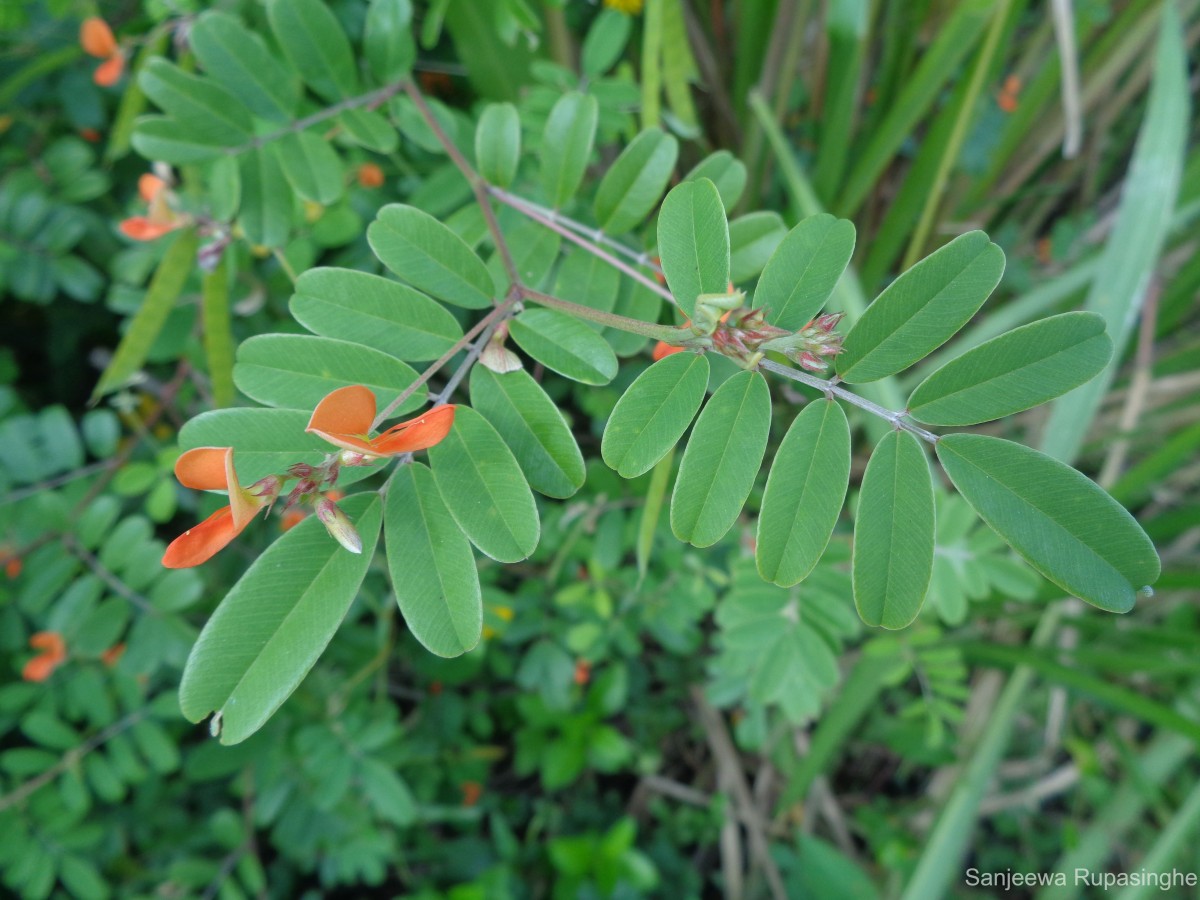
<point x="564" y="344"/>
<point x="430" y="257"/>
<point x="1014" y="372"/>
<point x="275" y="622"/>
<point x="893" y="533"/>
<point x="804" y="495"/>
<point x="635" y="182"/>
<point x="532" y="426"/>
<point x="804" y="269"/>
<point x="431" y="563"/>
<point x="567" y="145"/>
<point x="1060" y="521"/>
<point x="721" y="461"/>
<point x="295" y="371"/>
<point x="693" y="242"/>
<point x="484" y="488"/>
<point x="374" y="311"/>
<point x="922" y="309"/>
<point x="653" y="413"/>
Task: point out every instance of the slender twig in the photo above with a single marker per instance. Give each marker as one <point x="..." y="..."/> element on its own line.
<point x="897" y="419"/>
<point x="612" y="320"/>
<point x="71" y="758"/>
<point x="52" y="483"/>
<point x="478" y="185"/>
<point x="371" y="99"/>
<point x="596" y="235"/>
<point x="588" y="245"/>
<point x="101" y="571"/>
<point x="494" y="316"/>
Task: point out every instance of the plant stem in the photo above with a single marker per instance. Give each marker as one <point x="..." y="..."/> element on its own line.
<point x="667" y="333"/>
<point x="370" y="99"/>
<point x="495" y="316"/>
<point x="832" y="387"/>
<point x="521" y="207"/>
<point x="478" y="185"/>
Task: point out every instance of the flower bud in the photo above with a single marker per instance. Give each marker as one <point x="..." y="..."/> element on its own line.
<point x="351" y="458"/>
<point x="338" y="524"/>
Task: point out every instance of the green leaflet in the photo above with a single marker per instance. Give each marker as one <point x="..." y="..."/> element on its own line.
<point x="893" y="533"/>
<point x="922" y="309"/>
<point x="484" y="489"/>
<point x="567" y="145"/>
<point x="295" y="371"/>
<point x="752" y="239"/>
<point x="432" y="567"/>
<point x="313" y="41"/>
<point x="164" y="138"/>
<point x="564" y="344"/>
<point x="804" y="495"/>
<point x="164" y="289"/>
<point x="430" y="257"/>
<point x="722" y="458"/>
<point x="1064" y="525"/>
<point x="605" y="42"/>
<point x="266" y="207"/>
<point x="693" y="242"/>
<point x="200" y="102"/>
<point x="388" y="39"/>
<point x="498" y="143"/>
<point x="532" y="426"/>
<point x="804" y="270"/>
<point x="653" y="413"/>
<point x="634" y="184"/>
<point x="375" y="311"/>
<point x="725" y="171"/>
<point x="534" y="251"/>
<point x="586" y="279"/>
<point x="1014" y="372"/>
<point x="275" y="622"/>
<point x="265" y="441"/>
<point x="236" y="58"/>
<point x="311" y="167"/>
<point x="369" y="129"/>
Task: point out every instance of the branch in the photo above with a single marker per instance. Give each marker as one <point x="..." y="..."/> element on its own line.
<point x="830" y="386"/>
<point x="371" y="99"/>
<point x="623" y="323"/>
<point x="478" y="185"/>
<point x="101" y="571"/>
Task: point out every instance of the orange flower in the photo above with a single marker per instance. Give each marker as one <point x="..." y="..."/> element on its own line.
<point x="112" y="655"/>
<point x="97" y="40"/>
<point x="160" y="218"/>
<point x="370" y="175"/>
<point x="54" y="653"/>
<point x="471" y="791"/>
<point x="662" y="350"/>
<point x="344" y="417"/>
<point x="583" y="672"/>
<point x="211" y="469"/>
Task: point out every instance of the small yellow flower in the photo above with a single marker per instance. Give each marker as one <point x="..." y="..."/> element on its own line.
<point x="629" y="7"/>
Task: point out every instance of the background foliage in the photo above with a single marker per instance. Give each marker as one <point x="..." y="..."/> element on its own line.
<point x="642" y="718"/>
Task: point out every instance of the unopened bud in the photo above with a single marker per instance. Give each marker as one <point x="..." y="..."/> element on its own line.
<point x="338" y="524"/>
<point x="354" y="458"/>
<point x="828" y="321"/>
<point x="267" y="488"/>
<point x="301" y="470"/>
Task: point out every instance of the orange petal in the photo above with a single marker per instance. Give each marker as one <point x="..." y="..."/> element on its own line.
<point x="96" y="38"/>
<point x="40" y="668"/>
<point x="370" y="175"/>
<point x="662" y="350"/>
<point x="150" y="186"/>
<point x="346" y="411"/>
<point x="139" y="228"/>
<point x="109" y="72"/>
<point x="416" y="434"/>
<point x="202" y="543"/>
<point x="245" y="505"/>
<point x="51" y="644"/>
<point x="204" y="468"/>
<point x="349" y="442"/>
<point x="112" y="655"/>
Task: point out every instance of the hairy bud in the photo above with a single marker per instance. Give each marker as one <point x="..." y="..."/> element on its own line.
<point x="338" y="524"/>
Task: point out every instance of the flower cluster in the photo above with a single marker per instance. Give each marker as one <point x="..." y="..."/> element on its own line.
<point x="97" y="40"/>
<point x="344" y="419"/>
<point x="160" y="217"/>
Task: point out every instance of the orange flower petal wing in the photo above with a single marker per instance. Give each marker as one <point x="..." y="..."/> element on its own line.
<point x="205" y="468"/>
<point x="96" y="38"/>
<point x="201" y="543"/>
<point x="51" y="643"/>
<point x="416" y="434"/>
<point x="139" y="228"/>
<point x="150" y="186"/>
<point x="346" y="411"/>
<point x="109" y="72"/>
